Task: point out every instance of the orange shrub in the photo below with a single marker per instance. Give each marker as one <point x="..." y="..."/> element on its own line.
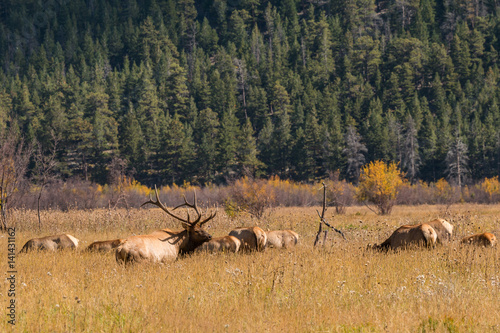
<point x="253" y="196"/>
<point x="379" y="184"/>
<point x="491" y="186"/>
<point x="444" y="193"/>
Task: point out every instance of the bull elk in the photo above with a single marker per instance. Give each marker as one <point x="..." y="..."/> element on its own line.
<point x="105" y="246"/>
<point x="443" y="228"/>
<point x="51" y="243"/>
<point x="282" y="238"/>
<point x="221" y="244"/>
<point x="485" y="239"/>
<point x="410" y="235"/>
<point x="251" y="238"/>
<point x="165" y="244"/>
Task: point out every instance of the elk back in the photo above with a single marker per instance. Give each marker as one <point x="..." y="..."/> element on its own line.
<point x="221" y="244"/>
<point x="105" y="246"/>
<point x="282" y="238"/>
<point x="485" y="239"/>
<point x="410" y="235"/>
<point x="51" y="243"/>
<point x="443" y="228"/>
<point x="251" y="238"/>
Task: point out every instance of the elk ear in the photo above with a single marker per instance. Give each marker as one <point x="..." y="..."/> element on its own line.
<point x="185" y="226"/>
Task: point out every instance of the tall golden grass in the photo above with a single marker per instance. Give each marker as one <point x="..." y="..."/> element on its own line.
<point x="339" y="287"/>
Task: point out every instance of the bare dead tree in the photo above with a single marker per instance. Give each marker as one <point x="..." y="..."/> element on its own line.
<point x="44" y="169"/>
<point x="117" y="180"/>
<point x="323" y="221"/>
<point x="456" y="160"/>
<point x="354" y="151"/>
<point x="14" y="159"/>
<point x="242" y="76"/>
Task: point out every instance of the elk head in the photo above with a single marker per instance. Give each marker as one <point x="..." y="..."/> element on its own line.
<point x="196" y="235"/>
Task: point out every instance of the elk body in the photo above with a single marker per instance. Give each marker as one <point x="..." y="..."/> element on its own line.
<point x="51" y="243"/>
<point x="410" y="235"/>
<point x="105" y="246"/>
<point x="165" y="244"/>
<point x="251" y="238"/>
<point x="221" y="244"/>
<point x="282" y="238"/>
<point x="443" y="228"/>
<point x="485" y="239"/>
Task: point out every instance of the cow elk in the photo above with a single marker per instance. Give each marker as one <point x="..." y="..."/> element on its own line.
<point x="443" y="228"/>
<point x="251" y="238"/>
<point x="282" y="239"/>
<point x="105" y="246"/>
<point x="221" y="244"/>
<point x="410" y="235"/>
<point x="165" y="244"/>
<point x="51" y="243"/>
<point x="485" y="239"/>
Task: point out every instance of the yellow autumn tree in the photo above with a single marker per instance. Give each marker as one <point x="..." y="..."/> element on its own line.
<point x="491" y="186"/>
<point x="379" y="184"/>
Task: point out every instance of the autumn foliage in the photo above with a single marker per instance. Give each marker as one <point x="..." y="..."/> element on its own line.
<point x="252" y="195"/>
<point x="379" y="184"/>
<point x="491" y="186"/>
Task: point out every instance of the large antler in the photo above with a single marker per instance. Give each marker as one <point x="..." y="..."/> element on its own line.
<point x="187" y="204"/>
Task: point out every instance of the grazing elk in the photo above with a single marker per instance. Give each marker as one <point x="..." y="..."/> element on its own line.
<point x="443" y="228"/>
<point x="105" y="246"/>
<point x="485" y="239"/>
<point x="165" y="244"/>
<point x="282" y="238"/>
<point x="51" y="243"/>
<point x="251" y="238"/>
<point x="410" y="235"/>
<point x="221" y="244"/>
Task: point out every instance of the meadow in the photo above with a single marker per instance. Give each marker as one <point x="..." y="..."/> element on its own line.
<point x="337" y="287"/>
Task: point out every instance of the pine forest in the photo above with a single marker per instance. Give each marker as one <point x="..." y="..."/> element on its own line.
<point x="176" y="91"/>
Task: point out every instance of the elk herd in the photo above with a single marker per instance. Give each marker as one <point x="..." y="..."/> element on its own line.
<point x="166" y="245"/>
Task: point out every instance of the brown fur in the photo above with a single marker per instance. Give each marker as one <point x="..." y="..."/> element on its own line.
<point x="251" y="238"/>
<point x="105" y="246"/>
<point x="282" y="238"/>
<point x="406" y="235"/>
<point x="162" y="245"/>
<point x="485" y="239"/>
<point x="51" y="243"/>
<point x="166" y="245"/>
<point x="221" y="244"/>
<point x="443" y="228"/>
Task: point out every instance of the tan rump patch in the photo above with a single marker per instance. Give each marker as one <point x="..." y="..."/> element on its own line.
<point x="73" y="239"/>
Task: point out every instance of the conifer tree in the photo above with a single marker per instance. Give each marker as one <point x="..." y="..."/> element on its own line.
<point x="247" y="151"/>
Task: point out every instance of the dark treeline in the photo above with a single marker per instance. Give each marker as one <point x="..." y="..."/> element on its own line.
<point x="203" y="91"/>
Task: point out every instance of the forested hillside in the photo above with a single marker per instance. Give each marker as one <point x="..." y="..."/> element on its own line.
<point x="200" y="91"/>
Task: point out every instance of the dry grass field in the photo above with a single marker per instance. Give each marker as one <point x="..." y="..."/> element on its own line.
<point x="339" y="287"/>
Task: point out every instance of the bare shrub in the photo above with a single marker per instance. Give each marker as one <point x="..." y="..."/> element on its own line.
<point x="417" y="194"/>
<point x="290" y="194"/>
<point x="340" y="192"/>
<point x="14" y="159"/>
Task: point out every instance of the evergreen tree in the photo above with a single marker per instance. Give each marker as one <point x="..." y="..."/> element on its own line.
<point x="205" y="136"/>
<point x="227" y="143"/>
<point x="247" y="151"/>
